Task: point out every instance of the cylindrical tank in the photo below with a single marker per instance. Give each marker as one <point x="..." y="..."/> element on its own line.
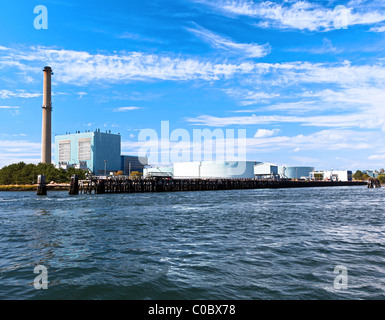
<point x="214" y="169"/>
<point x="295" y="172"/>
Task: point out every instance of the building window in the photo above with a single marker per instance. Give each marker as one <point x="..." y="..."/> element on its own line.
<point x="64" y="151"/>
<point x="84" y="151"/>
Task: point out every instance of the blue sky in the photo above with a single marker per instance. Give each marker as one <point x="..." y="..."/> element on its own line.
<point x="308" y="89"/>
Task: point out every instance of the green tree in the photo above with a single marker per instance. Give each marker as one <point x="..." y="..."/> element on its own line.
<point x="381" y="177"/>
<point x="21" y="173"/>
<point x="358" y="175"/>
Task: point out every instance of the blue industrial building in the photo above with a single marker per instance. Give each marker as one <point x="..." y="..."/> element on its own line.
<point x="96" y="151"/>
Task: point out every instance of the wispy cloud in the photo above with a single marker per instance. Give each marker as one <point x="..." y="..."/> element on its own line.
<point x="377" y="157"/>
<point x="327" y="47"/>
<point x="82" y="94"/>
<point x="351" y="120"/>
<point x="12" y="151"/>
<point x="300" y="15"/>
<point x="263" y="133"/>
<point x="378" y="29"/>
<point x="333" y="139"/>
<point x="248" y="97"/>
<point x="251" y="50"/>
<point x="138" y="37"/>
<point x="124" y="109"/>
<point x="8" y="107"/>
<point x="82" y="67"/>
<point x="5" y="94"/>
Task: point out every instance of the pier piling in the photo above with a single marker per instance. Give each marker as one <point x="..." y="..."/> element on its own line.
<point x="41" y="185"/>
<point x="74" y="186"/>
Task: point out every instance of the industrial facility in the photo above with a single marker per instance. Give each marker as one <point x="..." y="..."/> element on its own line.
<point x="340" y="175"/>
<point x="229" y="170"/>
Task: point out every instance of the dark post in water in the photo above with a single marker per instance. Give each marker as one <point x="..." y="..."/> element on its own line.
<point x="41" y="185"/>
<point x="74" y="187"/>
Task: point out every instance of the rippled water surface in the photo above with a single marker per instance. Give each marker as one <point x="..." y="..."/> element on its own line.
<point x="234" y="244"/>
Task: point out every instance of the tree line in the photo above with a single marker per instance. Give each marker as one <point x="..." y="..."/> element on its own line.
<point x="361" y="176"/>
<point x="22" y="173"/>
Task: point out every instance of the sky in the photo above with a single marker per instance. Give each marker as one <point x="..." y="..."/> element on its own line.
<point x="305" y="79"/>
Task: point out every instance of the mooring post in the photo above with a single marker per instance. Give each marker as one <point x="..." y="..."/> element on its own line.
<point x="74" y="186"/>
<point x="41" y="185"/>
<point x="100" y="189"/>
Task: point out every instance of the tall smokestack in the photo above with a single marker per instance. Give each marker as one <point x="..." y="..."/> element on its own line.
<point x="47" y="108"/>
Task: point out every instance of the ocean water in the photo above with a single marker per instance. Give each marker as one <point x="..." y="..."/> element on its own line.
<point x="233" y="244"/>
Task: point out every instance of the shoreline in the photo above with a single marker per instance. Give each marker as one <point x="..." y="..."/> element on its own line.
<point x="33" y="187"/>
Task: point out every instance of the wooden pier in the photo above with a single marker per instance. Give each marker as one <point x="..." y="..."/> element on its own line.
<point x="125" y="185"/>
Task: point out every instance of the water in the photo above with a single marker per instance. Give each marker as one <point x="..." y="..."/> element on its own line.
<point x="234" y="244"/>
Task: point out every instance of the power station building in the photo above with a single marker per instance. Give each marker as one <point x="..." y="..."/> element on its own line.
<point x="99" y="152"/>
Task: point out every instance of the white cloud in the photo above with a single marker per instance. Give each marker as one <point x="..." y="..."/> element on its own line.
<point x="212" y="121"/>
<point x="81" y="68"/>
<point x="300" y="15"/>
<point x="334" y="139"/>
<point x="123" y="109"/>
<point x="13" y="151"/>
<point x="251" y="50"/>
<point x="378" y="29"/>
<point x="8" y="107"/>
<point x="248" y="97"/>
<point x="377" y="157"/>
<point x="263" y="133"/>
<point x="82" y="94"/>
<point x="338" y="121"/>
<point x="5" y="94"/>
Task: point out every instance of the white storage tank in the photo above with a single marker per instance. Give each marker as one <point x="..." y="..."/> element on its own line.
<point x="215" y="169"/>
<point x="295" y="172"/>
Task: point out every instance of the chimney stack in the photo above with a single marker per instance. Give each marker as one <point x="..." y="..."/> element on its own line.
<point x="47" y="108"/>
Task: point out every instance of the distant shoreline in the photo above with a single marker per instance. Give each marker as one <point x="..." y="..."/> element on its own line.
<point x="33" y="187"/>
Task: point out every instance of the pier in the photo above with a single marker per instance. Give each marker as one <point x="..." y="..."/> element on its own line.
<point x="125" y="185"/>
